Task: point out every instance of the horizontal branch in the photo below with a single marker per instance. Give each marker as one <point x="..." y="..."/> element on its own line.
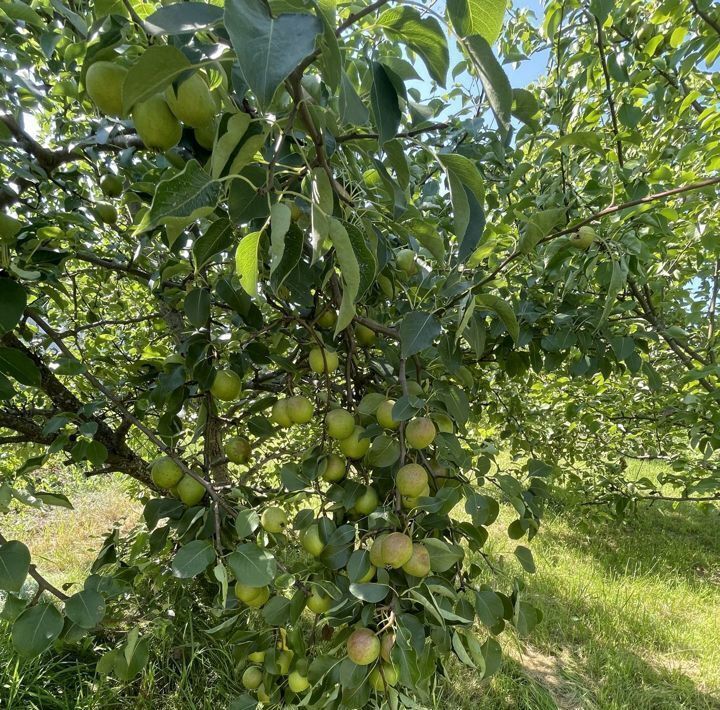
<point x="404" y="134"/>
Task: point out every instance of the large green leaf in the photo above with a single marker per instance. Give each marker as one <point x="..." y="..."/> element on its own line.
<point x="252" y="565"/>
<point x="197" y="306"/>
<point x="188" y="195"/>
<point x="193" y="558"/>
<point x="494" y="79"/>
<point x="423" y="35"/>
<point x="268" y="48"/>
<point x="350" y="273"/>
<point x="503" y="309"/>
<point x="218" y="237"/>
<point x="14" y="565"/>
<point x="18" y="365"/>
<point x="280" y="220"/>
<point x="13" y="300"/>
<point x="246" y="262"/>
<point x="183" y="18"/>
<point x="153" y="72"/>
<point x="418" y="330"/>
<point x="86" y="608"/>
<point x="36" y="629"/>
<point x="385" y="104"/>
<point x="477" y="17"/>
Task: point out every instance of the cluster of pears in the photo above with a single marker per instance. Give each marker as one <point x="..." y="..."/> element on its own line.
<point x="296" y="669"/>
<point x="158" y="119"/>
<point x="166" y="474"/>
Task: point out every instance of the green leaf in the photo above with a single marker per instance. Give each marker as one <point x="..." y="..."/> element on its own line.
<point x="193" y="558"/>
<point x="503" y="309"/>
<point x="418" y="330"/>
<point x="14" y="565"/>
<point x="525" y="557"/>
<point x="18" y="365"/>
<point x="618" y="277"/>
<point x="188" y="195"/>
<point x="384" y="103"/>
<point x="197" y="306"/>
<point x="57" y="500"/>
<point x="442" y="554"/>
<point x="86" y="608"/>
<point x="350" y="273"/>
<point x="36" y="629"/>
<point x="584" y="139"/>
<point x="183" y="18"/>
<point x="280" y="219"/>
<point x="493" y="77"/>
<point x="218" y="237"/>
<point x="384" y="452"/>
<point x="153" y="72"/>
<point x="268" y="48"/>
<point x="525" y="106"/>
<point x="246" y="262"/>
<point x="237" y="145"/>
<point x="246" y="522"/>
<point x="292" y="252"/>
<point x="423" y="35"/>
<point x="277" y="611"/>
<point x="321" y="209"/>
<point x="352" y="109"/>
<point x="489" y="607"/>
<point x="370" y="591"/>
<point x="477" y="17"/>
<point x="13" y="300"/>
<point x="252" y="565"/>
<point x="538" y="226"/>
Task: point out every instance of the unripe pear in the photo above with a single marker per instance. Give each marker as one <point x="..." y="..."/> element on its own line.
<point x="365" y="336"/>
<point x="397" y="549"/>
<point x="155" y="123"/>
<point x="273" y="519"/>
<point x="383" y="414"/>
<point x="111" y="185"/>
<point x="311" y="541"/>
<point x="104" y="83"/>
<point x="405" y="261"/>
<point x="298" y="683"/>
<point x="300" y="409"/>
<point x="165" y="473"/>
<point x="246" y="594"/>
<point x="318" y="602"/>
<point x="340" y="423"/>
<point x="252" y="677"/>
<point x="205" y="135"/>
<point x="280" y="414"/>
<point x="376" y="556"/>
<point x="237" y="449"/>
<point x="420" y="433"/>
<point x="190" y="491"/>
<point x="388" y="673"/>
<point x="107" y="213"/>
<point x="323" y="364"/>
<point x="411" y="480"/>
<point x="355" y="447"/>
<point x="363" y="647"/>
<point x="191" y="101"/>
<point x="368" y="575"/>
<point x="386" y="646"/>
<point x="259" y="600"/>
<point x="226" y="385"/>
<point x="327" y="319"/>
<point x="367" y="502"/>
<point x="332" y="468"/>
<point x="583" y="238"/>
<point x="419" y="563"/>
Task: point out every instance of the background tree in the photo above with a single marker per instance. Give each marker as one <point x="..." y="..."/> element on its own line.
<point x="248" y="263"/>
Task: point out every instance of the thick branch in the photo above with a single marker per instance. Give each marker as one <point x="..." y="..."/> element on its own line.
<point x="709" y="19"/>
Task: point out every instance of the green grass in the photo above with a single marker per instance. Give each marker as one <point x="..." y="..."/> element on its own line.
<point x="632" y="618"/>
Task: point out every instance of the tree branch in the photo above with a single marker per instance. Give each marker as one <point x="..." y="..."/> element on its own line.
<point x="709" y="19"/>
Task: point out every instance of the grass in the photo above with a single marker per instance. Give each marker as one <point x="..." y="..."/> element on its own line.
<point x="632" y="618"/>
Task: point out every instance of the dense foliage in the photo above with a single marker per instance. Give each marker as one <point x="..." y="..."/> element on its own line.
<point x="302" y="280"/>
